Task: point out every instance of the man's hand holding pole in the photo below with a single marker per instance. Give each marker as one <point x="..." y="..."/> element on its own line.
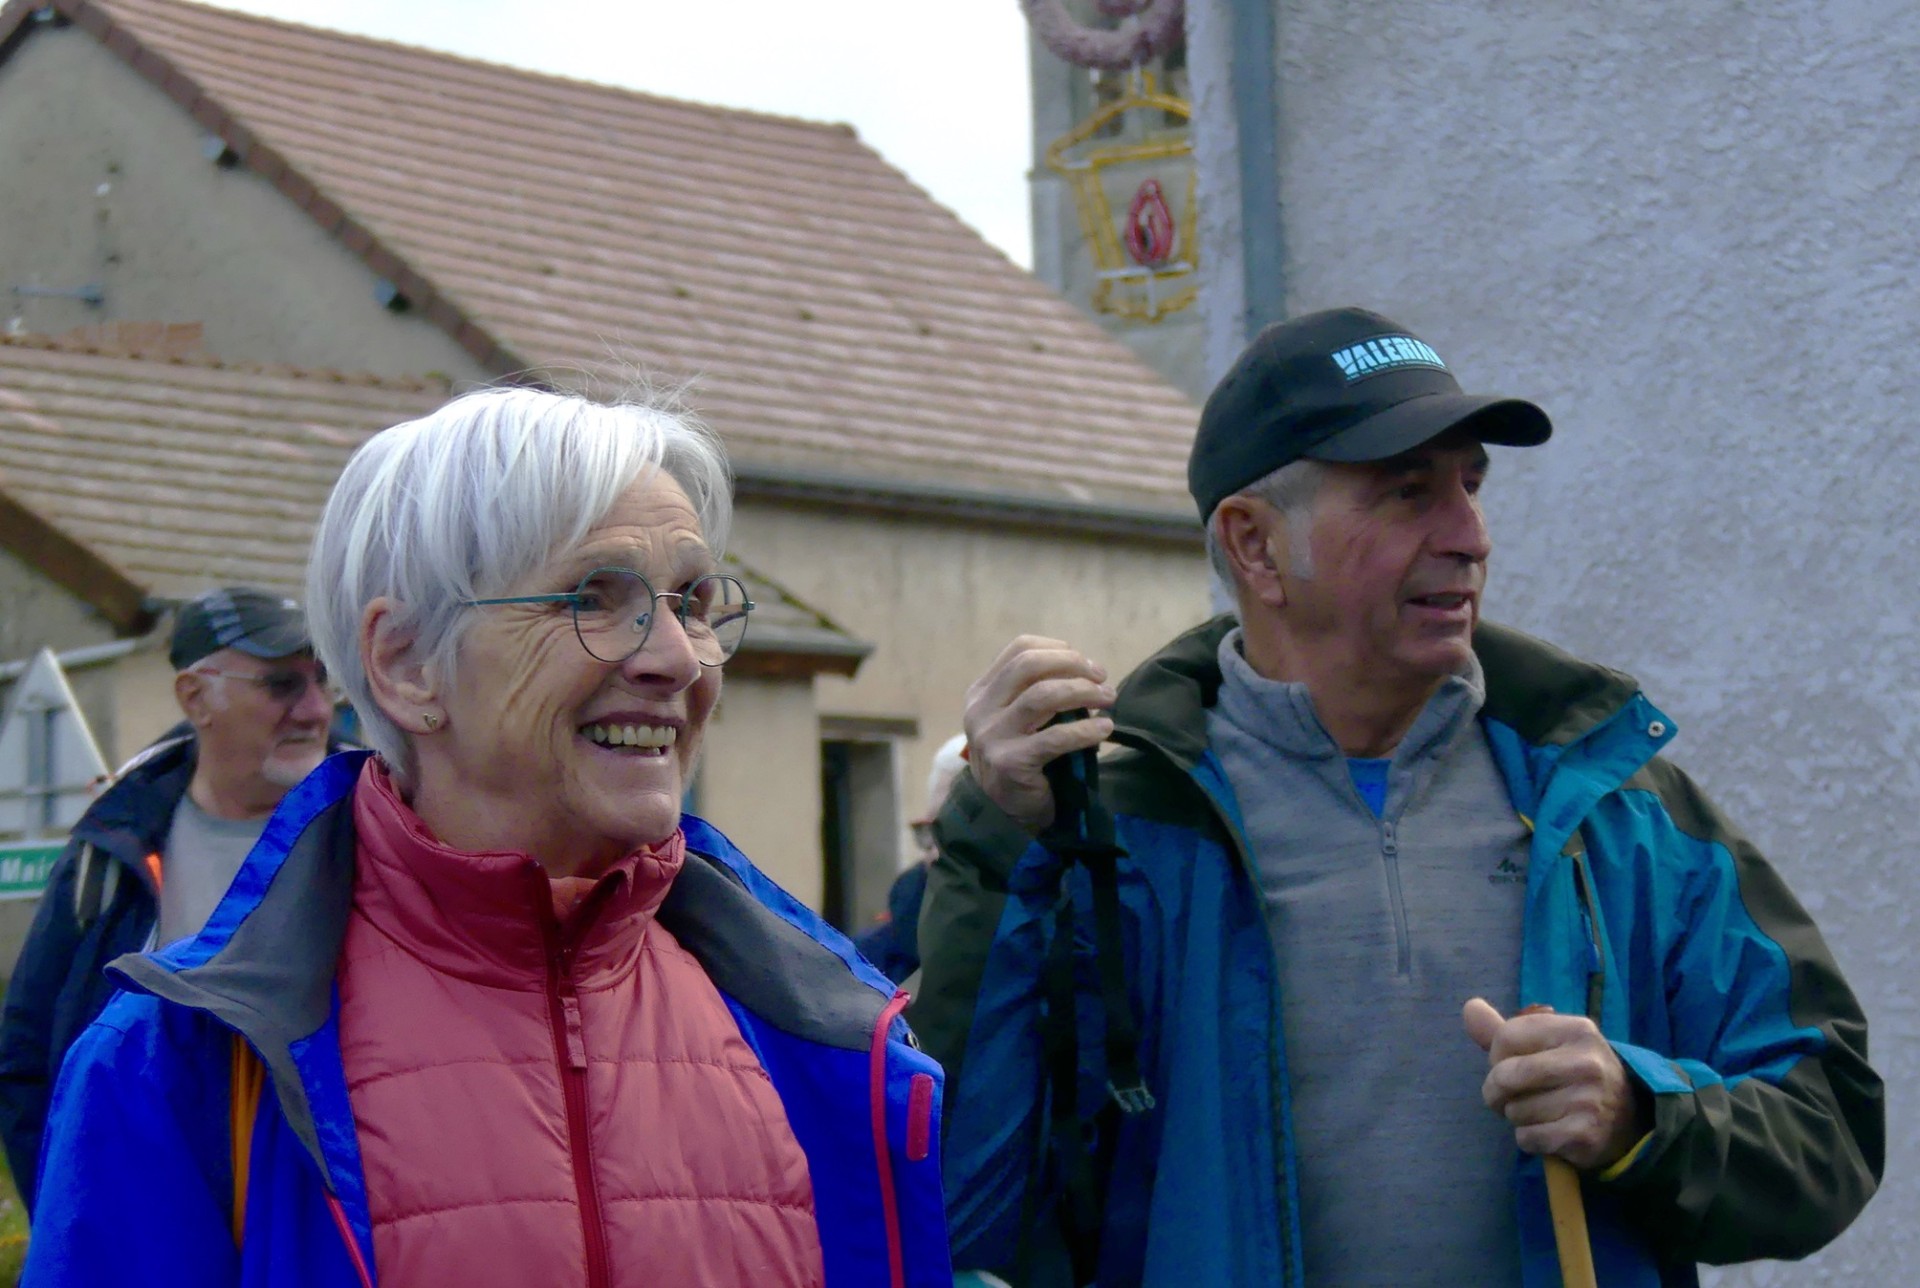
<point x="1569" y="1098"/>
<point x="1009" y="740"/>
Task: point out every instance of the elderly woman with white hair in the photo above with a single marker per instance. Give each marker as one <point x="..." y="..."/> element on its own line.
<point x="484" y="1007"/>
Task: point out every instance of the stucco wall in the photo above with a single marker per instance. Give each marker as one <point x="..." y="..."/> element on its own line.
<point x="144" y="705"/>
<point x="35" y="614"/>
<point x="760" y="779"/>
<point x="107" y="183"/>
<point x="1687" y="231"/>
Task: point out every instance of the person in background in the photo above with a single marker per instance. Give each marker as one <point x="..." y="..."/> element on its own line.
<point x="483" y="1007"/>
<point x="894" y="943"/>
<point x="152" y="856"/>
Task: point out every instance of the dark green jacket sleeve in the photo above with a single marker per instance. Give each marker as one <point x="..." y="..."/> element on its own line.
<point x="966" y="895"/>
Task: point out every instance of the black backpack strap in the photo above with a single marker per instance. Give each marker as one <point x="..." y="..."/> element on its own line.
<point x="96" y="881"/>
<point x="1081" y="1150"/>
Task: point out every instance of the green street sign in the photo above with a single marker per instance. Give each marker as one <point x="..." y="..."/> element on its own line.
<point x="24" y="867"/>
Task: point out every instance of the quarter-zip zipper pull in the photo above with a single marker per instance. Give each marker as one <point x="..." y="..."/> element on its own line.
<point x="576" y="1041"/>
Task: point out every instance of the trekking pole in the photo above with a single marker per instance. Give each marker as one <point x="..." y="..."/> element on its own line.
<point x="1569" y="1213"/>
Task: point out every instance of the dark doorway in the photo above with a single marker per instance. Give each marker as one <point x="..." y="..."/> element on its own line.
<point x="859" y="830"/>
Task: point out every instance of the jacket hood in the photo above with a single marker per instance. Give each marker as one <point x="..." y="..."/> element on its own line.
<point x="1545" y="694"/>
<point x="485" y="916"/>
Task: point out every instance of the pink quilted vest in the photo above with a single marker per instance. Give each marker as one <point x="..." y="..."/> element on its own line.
<point x="552" y="1102"/>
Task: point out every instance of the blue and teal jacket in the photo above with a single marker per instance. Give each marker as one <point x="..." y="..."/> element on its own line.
<point x="136" y="1182"/>
<point x="1645" y="910"/>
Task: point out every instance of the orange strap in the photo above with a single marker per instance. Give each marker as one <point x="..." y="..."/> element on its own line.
<point x="153" y="871"/>
<point x="249" y="1076"/>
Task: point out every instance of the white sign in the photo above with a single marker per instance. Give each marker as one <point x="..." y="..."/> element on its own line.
<point x="25" y="866"/>
<point x="50" y="766"/>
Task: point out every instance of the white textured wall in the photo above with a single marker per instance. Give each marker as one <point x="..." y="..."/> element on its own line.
<point x="1692" y="232"/>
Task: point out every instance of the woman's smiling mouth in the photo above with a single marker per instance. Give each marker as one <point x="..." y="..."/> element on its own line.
<point x="647" y="739"/>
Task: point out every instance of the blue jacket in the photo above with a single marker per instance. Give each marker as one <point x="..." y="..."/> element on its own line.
<point x="1644" y="910"/>
<point x="99" y="903"/>
<point x="136" y="1184"/>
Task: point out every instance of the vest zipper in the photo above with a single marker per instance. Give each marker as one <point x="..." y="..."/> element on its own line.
<point x="1390" y="857"/>
<point x="570" y="1049"/>
<point x="345" y="1227"/>
<point x="877" y="1094"/>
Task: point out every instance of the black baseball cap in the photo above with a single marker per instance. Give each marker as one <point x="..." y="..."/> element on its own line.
<point x="1339" y="385"/>
<point x="257" y="622"/>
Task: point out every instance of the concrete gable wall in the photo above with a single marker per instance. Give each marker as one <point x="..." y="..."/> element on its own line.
<point x="107" y="183"/>
<point x="35" y="614"/>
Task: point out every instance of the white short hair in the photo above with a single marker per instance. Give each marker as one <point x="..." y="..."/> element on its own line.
<point x="464" y="502"/>
<point x="1292" y="489"/>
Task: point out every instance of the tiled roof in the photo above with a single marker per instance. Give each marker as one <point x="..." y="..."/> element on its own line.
<point x="185" y="474"/>
<point x="178" y="475"/>
<point x="836" y="318"/>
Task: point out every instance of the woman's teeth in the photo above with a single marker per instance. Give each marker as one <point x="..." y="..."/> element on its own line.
<point x="652" y="737"/>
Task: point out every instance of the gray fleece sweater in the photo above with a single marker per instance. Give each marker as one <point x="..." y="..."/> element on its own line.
<point x="1383" y="927"/>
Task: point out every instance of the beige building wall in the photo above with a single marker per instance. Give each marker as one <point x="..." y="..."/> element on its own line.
<point x="35" y="613"/>
<point x="759" y="779"/>
<point x="939" y="601"/>
<point x="143" y="703"/>
<point x="123" y="196"/>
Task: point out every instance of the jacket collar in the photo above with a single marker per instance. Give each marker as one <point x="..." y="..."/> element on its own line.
<point x="489" y="917"/>
<point x="1543" y="693"/>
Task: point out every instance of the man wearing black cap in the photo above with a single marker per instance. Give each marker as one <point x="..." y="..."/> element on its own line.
<point x="153" y="855"/>
<point x="1386" y="868"/>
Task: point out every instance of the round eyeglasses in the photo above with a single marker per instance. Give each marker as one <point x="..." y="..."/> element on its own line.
<point x="613" y="612"/>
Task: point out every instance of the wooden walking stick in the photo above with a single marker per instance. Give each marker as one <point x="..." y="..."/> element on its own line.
<point x="1569" y="1212"/>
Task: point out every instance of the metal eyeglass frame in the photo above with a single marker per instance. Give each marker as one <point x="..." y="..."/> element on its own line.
<point x="572" y="599"/>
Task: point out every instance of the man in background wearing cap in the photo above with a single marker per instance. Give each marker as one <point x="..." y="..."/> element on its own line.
<point x="153" y="855"/>
<point x="1362" y="831"/>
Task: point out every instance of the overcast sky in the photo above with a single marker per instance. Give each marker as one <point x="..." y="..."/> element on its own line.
<point x="940" y="90"/>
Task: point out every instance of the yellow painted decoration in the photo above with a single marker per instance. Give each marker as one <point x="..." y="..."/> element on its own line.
<point x="1127" y="288"/>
